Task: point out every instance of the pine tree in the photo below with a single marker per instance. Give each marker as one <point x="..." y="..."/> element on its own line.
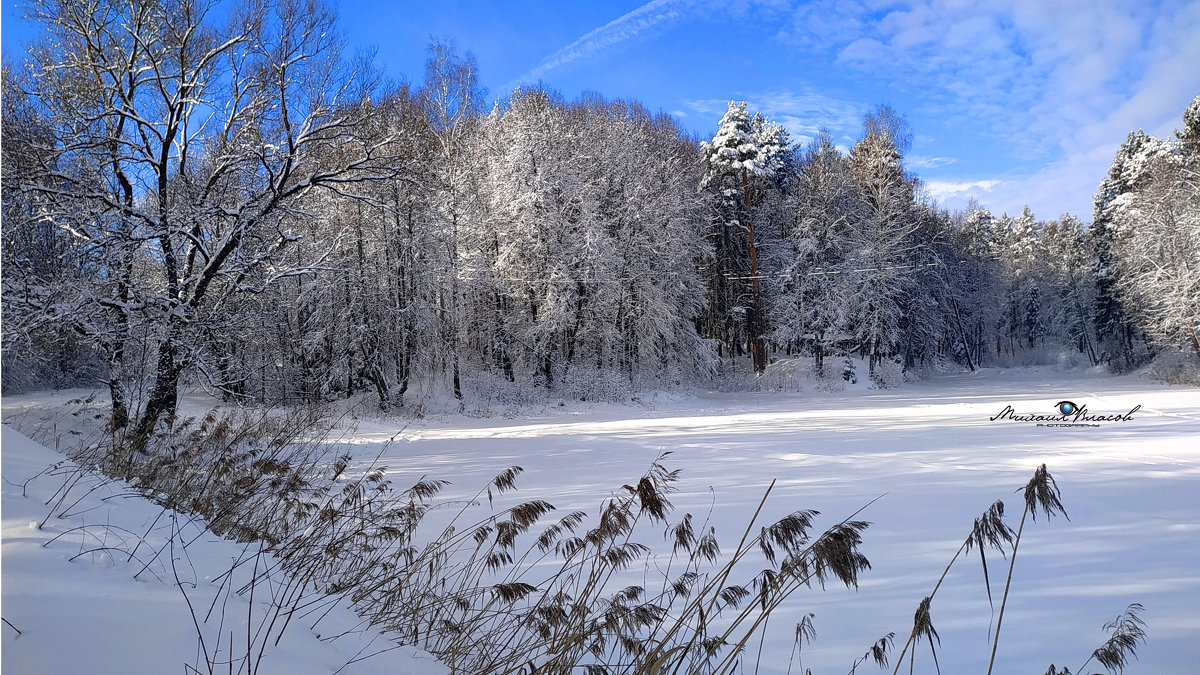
<point x="1071" y="284"/>
<point x="1025" y="255"/>
<point x="1115" y="331"/>
<point x="1150" y="206"/>
<point x="745" y="152"/>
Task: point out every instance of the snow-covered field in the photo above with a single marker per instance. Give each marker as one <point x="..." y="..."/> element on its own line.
<point x="85" y="588"/>
<point x="928" y="450"/>
<point x="1131" y="489"/>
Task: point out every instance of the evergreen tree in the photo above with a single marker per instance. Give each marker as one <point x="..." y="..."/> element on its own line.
<point x="744" y="158"/>
<point x="1115" y="331"/>
<point x="1071" y="284"/>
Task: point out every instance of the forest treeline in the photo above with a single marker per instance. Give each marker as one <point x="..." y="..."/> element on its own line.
<point x="245" y="207"/>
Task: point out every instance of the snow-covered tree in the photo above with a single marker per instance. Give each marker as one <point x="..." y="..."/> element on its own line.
<point x="746" y="157"/>
<point x="884" y="246"/>
<point x="179" y="153"/>
<point x="452" y="99"/>
<point x="973" y="280"/>
<point x="1071" y="284"/>
<point x="1025" y="255"/>
<point x="1150" y="208"/>
<point x="590" y="238"/>
<point x="809" y="311"/>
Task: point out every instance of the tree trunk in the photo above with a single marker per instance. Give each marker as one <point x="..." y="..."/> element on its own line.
<point x="962" y="335"/>
<point x="502" y="349"/>
<point x="375" y="373"/>
<point x="758" y="348"/>
<point x="120" y="409"/>
<point x="164" y="397"/>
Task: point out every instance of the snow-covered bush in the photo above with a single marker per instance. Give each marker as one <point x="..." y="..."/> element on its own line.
<point x="1174" y="367"/>
<point x="1073" y="359"/>
<point x="888" y="374"/>
<point x="787" y="374"/>
<point x="849" y="373"/>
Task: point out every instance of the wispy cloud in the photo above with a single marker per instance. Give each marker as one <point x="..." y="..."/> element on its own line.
<point x="626" y="27"/>
<point x="803" y="112"/>
<point x="1052" y="84"/>
<point x="943" y="190"/>
<point x="923" y="162"/>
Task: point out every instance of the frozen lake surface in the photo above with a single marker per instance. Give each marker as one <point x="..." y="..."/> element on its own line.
<point x="1131" y="489"/>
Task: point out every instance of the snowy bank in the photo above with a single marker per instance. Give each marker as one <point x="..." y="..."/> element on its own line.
<point x="97" y="579"/>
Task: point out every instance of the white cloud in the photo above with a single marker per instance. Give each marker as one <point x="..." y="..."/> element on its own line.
<point x="654" y="14"/>
<point x="942" y="189"/>
<point x="863" y="51"/>
<point x="1061" y="82"/>
<point x="1060" y="187"/>
<point x="922" y="162"/>
<point x="708" y="106"/>
<point x="803" y="112"/>
<point x="821" y="24"/>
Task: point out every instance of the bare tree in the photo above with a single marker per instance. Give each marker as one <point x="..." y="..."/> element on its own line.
<point x="452" y="98"/>
<point x="1158" y="246"/>
<point x="178" y="154"/>
<point x="884" y="245"/>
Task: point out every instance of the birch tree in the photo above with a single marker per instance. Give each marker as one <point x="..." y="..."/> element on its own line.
<point x="884" y="246"/>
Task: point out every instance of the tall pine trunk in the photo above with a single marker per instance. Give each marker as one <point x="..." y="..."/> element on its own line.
<point x="758" y="347"/>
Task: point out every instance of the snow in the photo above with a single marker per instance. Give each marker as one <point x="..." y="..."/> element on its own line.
<point x="1131" y="489"/>
<point x="928" y="451"/>
<point x="94" y="613"/>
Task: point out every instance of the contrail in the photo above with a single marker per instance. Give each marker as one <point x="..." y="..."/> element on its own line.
<point x="618" y="30"/>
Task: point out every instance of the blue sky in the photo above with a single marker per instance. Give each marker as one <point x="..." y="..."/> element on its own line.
<point x="1012" y="103"/>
